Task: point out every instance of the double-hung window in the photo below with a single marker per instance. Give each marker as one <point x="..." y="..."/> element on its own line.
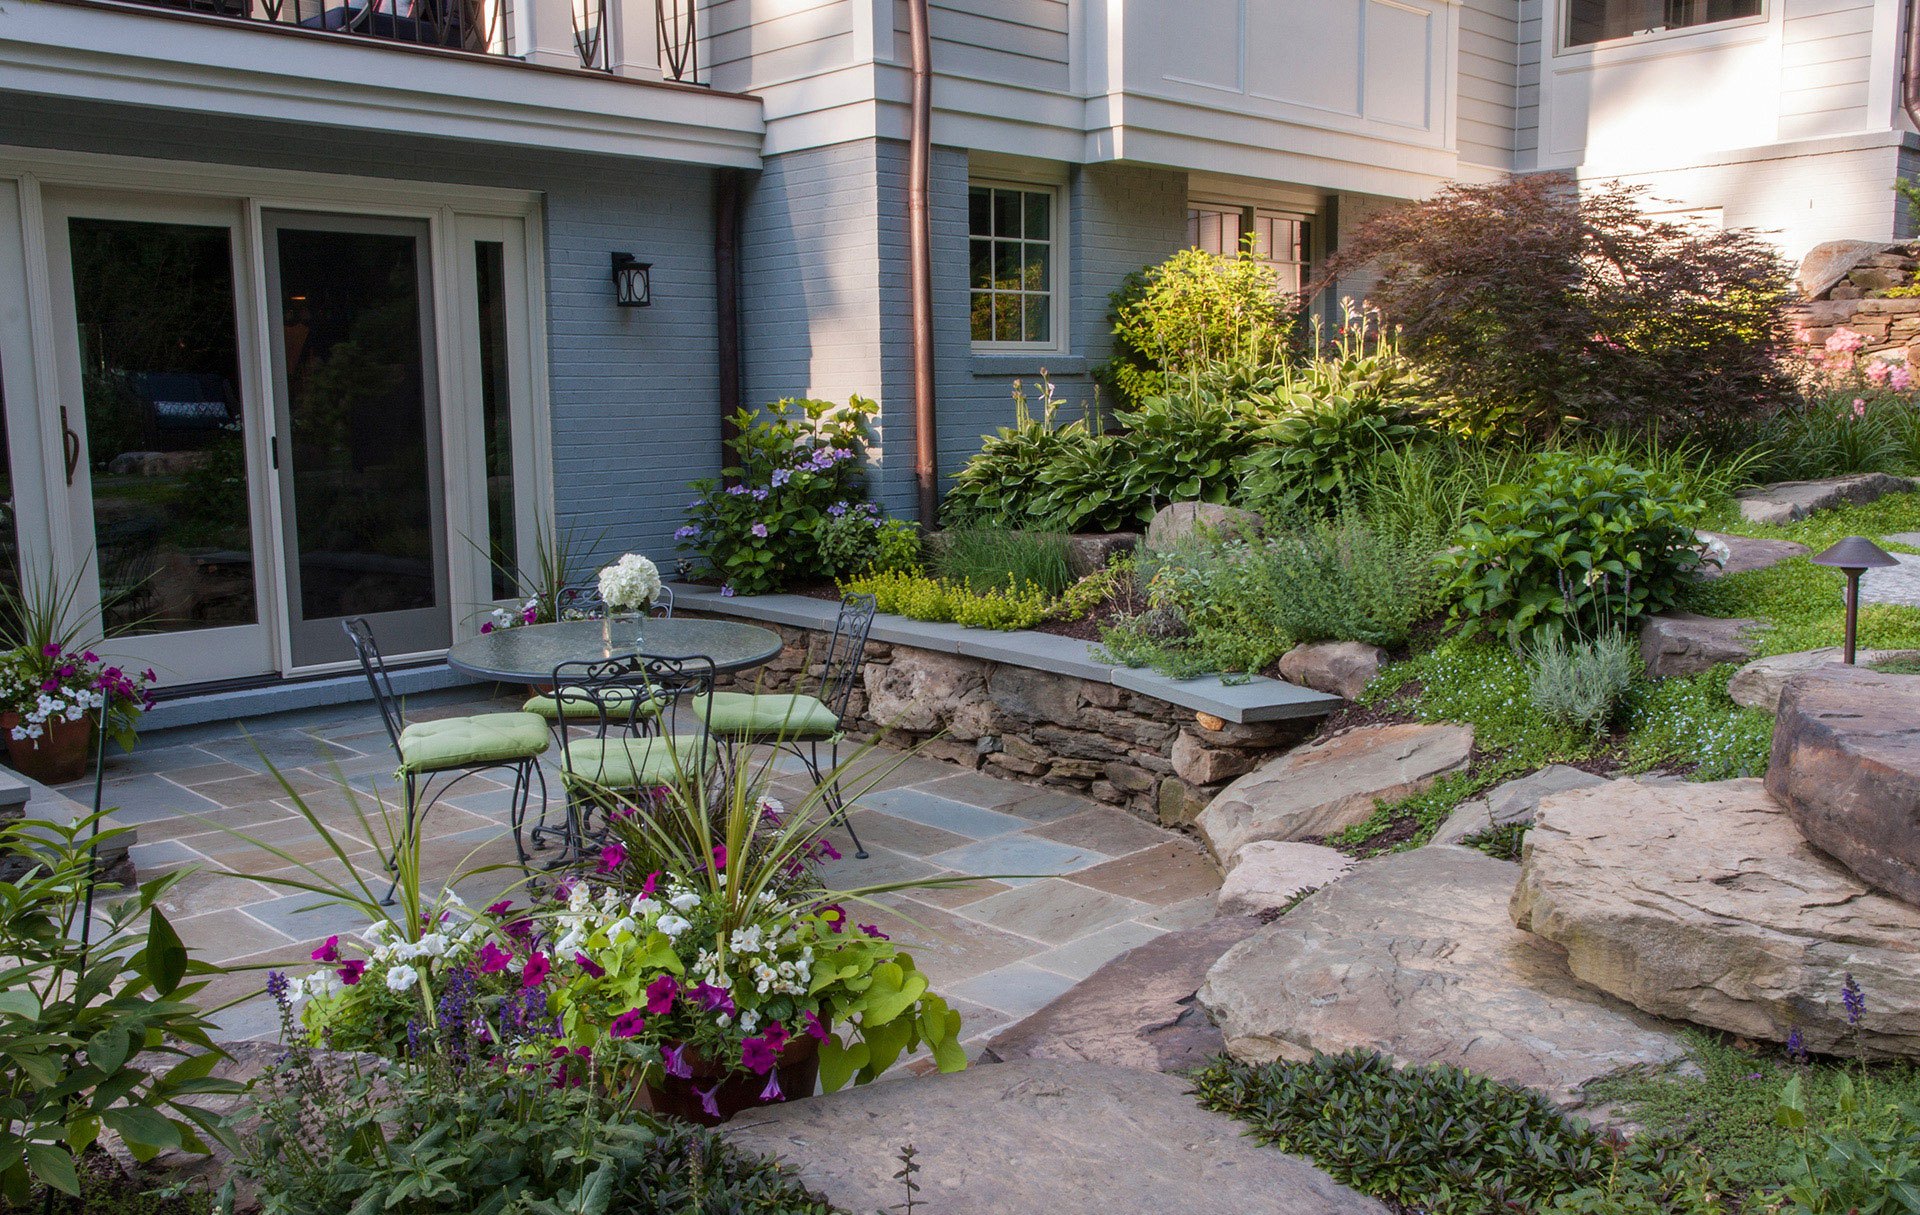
<point x="1014" y="272"/>
<point x="1591" y="21"/>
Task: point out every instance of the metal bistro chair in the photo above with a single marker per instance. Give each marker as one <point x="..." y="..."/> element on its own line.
<point x="608" y="747"/>
<point x="802" y="725"/>
<point x="581" y="601"/>
<point x="453" y="746"/>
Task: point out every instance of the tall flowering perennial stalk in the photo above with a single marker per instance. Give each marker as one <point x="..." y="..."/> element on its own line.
<point x="759" y="527"/>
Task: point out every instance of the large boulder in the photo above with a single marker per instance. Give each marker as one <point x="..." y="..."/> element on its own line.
<point x="1846" y="764"/>
<point x="1510" y="803"/>
<point x="1136" y="1011"/>
<point x="1744" y="554"/>
<point x="1182" y="520"/>
<point x="1038" y="1135"/>
<point x="1414" y="955"/>
<point x="1268" y="875"/>
<point x="1090" y="552"/>
<point x="1681" y="643"/>
<point x="1758" y="684"/>
<point x="1830" y="261"/>
<point x="1331" y="784"/>
<point x="922" y="691"/>
<point x="1702" y="902"/>
<point x="1791" y="501"/>
<point x="1341" y="668"/>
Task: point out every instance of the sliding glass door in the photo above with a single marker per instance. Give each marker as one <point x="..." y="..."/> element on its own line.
<point x="357" y="432"/>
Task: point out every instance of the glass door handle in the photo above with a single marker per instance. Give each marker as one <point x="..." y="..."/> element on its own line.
<point x="69" y="444"/>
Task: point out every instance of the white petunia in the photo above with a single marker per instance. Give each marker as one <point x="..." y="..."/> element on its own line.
<point x="673" y="925"/>
<point x="402" y="978"/>
<point x="684" y="901"/>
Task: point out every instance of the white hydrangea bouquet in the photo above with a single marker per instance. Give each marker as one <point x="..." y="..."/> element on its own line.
<point x="630" y="584"/>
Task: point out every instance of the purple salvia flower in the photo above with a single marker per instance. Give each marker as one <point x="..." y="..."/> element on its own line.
<point x="1854" y="999"/>
<point x="1796" y="1046"/>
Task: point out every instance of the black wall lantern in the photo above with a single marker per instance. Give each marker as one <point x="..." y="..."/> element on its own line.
<point x="632" y="281"/>
<point x="1853" y="557"/>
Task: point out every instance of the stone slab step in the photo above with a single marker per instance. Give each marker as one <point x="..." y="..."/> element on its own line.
<point x="1039" y="1137"/>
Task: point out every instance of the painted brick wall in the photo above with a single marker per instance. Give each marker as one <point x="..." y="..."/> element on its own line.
<point x="633" y="390"/>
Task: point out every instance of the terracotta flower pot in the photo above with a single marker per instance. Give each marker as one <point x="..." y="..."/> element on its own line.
<point x="57" y="756"/>
<point x="733" y="1091"/>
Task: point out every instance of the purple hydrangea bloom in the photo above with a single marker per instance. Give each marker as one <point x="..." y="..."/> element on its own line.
<point x="759" y="529"/>
<point x="781" y="476"/>
<point x="726" y="590"/>
<point x="837" y="509"/>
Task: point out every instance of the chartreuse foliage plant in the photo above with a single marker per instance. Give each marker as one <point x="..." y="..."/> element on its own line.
<point x="1444" y="1141"/>
<point x="98" y="1036"/>
<point x="924" y="597"/>
<point x="1181" y="322"/>
<point x="1579" y="545"/>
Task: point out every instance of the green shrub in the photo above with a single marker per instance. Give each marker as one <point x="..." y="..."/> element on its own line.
<point x="1443" y="1141"/>
<point x="1237" y="606"/>
<point x="98" y="1037"/>
<point x="1864" y="1161"/>
<point x="1188" y="318"/>
<point x="988" y="558"/>
<point x="1833" y="434"/>
<point x="1580" y="545"/>
<point x="1582" y="684"/>
<point x="792" y="465"/>
<point x="919" y="597"/>
<point x="1534" y="305"/>
<point x="858" y="539"/>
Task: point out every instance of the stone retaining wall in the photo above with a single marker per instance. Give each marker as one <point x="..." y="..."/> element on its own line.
<point x="1162" y="762"/>
<point x="1890" y="327"/>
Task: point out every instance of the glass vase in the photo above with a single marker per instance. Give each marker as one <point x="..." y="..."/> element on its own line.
<point x="621" y="629"/>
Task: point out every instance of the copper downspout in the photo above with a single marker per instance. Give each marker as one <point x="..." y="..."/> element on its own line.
<point x="1910" y="70"/>
<point x="920" y="262"/>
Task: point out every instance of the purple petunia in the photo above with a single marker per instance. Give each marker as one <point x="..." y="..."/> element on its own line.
<point x="493" y="959"/>
<point x="536" y="972"/>
<point x="875" y="933"/>
<point x="758" y="1055"/>
<point x="707" y="1102"/>
<point x="713" y="999"/>
<point x="612" y="856"/>
<point x="587" y="964"/>
<point x="674" y="1060"/>
<point x="628" y="1024"/>
<point x="660" y="994"/>
<point x="815" y="1027"/>
<point x="772" y="1091"/>
<point x="329" y="950"/>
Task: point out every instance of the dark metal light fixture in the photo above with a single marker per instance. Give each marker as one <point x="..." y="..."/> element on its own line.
<point x="632" y="281"/>
<point x="1853" y="557"/>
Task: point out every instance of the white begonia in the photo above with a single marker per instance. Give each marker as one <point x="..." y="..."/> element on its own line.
<point x="402" y="978"/>
<point x="749" y="1021"/>
<point x="673" y="925"/>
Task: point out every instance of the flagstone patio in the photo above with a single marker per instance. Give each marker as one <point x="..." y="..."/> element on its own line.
<point x="1097" y="880"/>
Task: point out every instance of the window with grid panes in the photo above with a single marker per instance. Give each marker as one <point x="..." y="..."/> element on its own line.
<point x="1590" y="21"/>
<point x="1012" y="274"/>
<point x="1285" y="242"/>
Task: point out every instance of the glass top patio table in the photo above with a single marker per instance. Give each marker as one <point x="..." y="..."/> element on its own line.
<point x="529" y="654"/>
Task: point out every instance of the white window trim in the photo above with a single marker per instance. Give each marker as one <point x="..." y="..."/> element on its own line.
<point x="1057" y="240"/>
<point x="1711" y="33"/>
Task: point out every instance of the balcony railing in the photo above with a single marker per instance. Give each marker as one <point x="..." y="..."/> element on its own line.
<point x="474" y="26"/>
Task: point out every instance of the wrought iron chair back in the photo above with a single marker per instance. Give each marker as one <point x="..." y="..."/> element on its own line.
<point x="582" y="599"/>
<point x="846" y="650"/>
<point x="608" y="696"/>
<point x="360" y="635"/>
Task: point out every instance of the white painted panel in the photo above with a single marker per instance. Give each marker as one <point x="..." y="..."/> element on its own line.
<point x="1199" y="42"/>
<point x="1692" y="98"/>
<point x="1399" y="64"/>
<point x="1322" y="71"/>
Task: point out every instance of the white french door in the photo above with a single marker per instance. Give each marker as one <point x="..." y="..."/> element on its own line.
<point x="162" y="428"/>
<point x="243" y="406"/>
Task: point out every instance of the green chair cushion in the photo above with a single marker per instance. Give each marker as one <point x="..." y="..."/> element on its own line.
<point x="764" y="714"/>
<point x="466" y="742"/>
<point x="624" y="762"/>
<point x="577" y="707"/>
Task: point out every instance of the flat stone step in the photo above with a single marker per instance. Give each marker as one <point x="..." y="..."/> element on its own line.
<point x="1414" y="955"/>
<point x="1039" y="1137"/>
<point x="1701" y="901"/>
<point x="1791" y="501"/>
<point x="1136" y="1011"/>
